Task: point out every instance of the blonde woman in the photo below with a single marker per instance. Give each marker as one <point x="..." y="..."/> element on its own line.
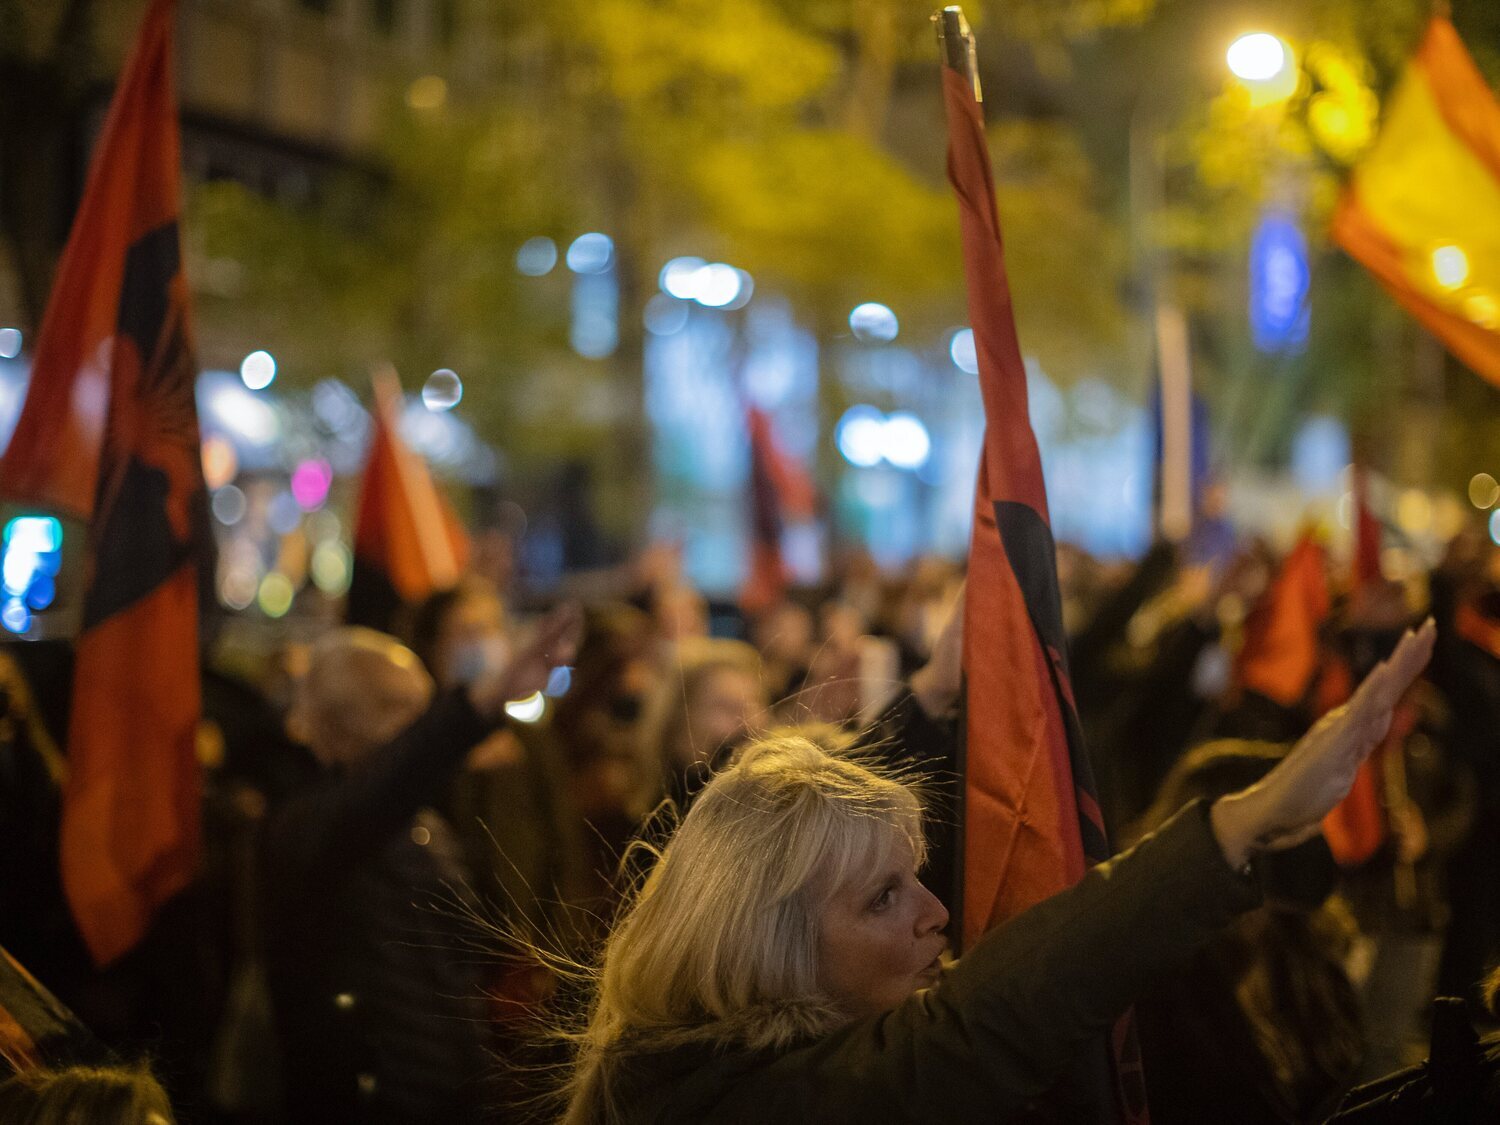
<point x="782" y="963"/>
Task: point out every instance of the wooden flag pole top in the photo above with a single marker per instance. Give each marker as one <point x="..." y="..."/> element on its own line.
<point x="956" y="42"/>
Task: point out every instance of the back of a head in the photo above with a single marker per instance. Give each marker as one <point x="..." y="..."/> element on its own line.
<point x="362" y="688"/>
<point x="722" y="938"/>
<point x="1207" y="772"/>
<point x="83" y="1095"/>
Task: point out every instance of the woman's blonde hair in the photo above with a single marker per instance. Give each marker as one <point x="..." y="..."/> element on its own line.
<point x="720" y="943"/>
<point x="118" y="1095"/>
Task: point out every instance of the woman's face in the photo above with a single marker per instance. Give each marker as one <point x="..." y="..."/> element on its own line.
<point x="727" y="703"/>
<point x="881" y="936"/>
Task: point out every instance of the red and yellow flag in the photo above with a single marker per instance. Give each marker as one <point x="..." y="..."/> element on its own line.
<point x="109" y="435"/>
<point x="1422" y="209"/>
<point x="408" y="543"/>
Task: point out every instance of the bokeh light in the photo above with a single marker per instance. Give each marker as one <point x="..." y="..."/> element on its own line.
<point x="258" y="370"/>
<point x="1495" y="527"/>
<point x="717" y="285"/>
<point x="1450" y="265"/>
<point x="536" y="257"/>
<point x="443" y="390"/>
<point x="275" y="594"/>
<point x="873" y="323"/>
<point x="963" y="352"/>
<point x="591" y="253"/>
<point x="1414" y="512"/>
<point x="905" y="442"/>
<point x="527" y="710"/>
<point x="679" y="276"/>
<point x="1257" y="57"/>
<point x="219" y="462"/>
<point x="284" y="514"/>
<point x="229" y="505"/>
<point x="861" y="436"/>
<point x="331" y="568"/>
<point x="665" y="315"/>
<point x="10" y="343"/>
<point x="1483" y="309"/>
<point x="1484" y="490"/>
<point x="311" y="481"/>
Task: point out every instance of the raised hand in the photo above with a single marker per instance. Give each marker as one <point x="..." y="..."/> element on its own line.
<point x="936" y="684"/>
<point x="552" y="641"/>
<point x="1287" y="806"/>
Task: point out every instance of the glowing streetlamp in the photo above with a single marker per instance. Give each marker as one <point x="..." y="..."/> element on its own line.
<point x="1265" y="65"/>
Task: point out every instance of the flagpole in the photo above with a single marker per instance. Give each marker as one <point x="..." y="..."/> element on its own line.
<point x="956" y="44"/>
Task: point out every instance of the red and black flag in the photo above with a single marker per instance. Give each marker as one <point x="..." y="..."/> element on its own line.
<point x="1032" y="823"/>
<point x="109" y="435"/>
<point x="36" y="1030"/>
<point x="408" y="543"/>
<point x="778" y="489"/>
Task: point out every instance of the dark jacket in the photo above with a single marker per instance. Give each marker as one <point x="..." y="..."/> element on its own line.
<point x="999" y="1029"/>
<point x="378" y="1006"/>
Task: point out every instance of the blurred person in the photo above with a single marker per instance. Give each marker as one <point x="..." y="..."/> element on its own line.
<point x="85" y="1095"/>
<point x="1466" y="671"/>
<point x="1457" y="1084"/>
<point x="1263" y="1023"/>
<point x="679" y="612"/>
<point x="858" y="581"/>
<point x="379" y="1020"/>
<point x="783" y="635"/>
<point x="782" y="962"/>
<point x="710" y="699"/>
<point x="511" y="804"/>
<point x="614" y="777"/>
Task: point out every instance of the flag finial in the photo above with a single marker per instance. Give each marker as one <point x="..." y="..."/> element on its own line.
<point x="956" y="42"/>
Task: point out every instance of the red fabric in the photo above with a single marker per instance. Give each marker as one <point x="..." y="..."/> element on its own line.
<point x="109" y="435"/>
<point x="1281" y="652"/>
<point x="1356" y="827"/>
<point x="778" y="488"/>
<point x="1031" y="819"/>
<point x="403" y="527"/>
<point x="1366" y="534"/>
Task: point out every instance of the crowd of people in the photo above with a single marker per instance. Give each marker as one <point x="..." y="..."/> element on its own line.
<point x="637" y="897"/>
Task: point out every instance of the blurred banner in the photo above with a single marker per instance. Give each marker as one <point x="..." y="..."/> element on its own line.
<point x="1422" y="209"/>
<point x="779" y="490"/>
<point x="109" y="435"/>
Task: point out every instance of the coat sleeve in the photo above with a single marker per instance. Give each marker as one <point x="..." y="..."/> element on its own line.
<point x="1005" y="1023"/>
<point x="317" y="835"/>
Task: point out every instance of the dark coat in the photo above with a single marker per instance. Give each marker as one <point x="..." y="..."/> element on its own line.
<point x="379" y="1009"/>
<point x="999" y="1030"/>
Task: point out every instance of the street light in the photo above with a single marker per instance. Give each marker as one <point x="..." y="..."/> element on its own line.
<point x="1265" y="65"/>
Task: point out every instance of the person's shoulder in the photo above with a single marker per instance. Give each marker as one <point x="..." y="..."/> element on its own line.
<point x="689" y="1082"/>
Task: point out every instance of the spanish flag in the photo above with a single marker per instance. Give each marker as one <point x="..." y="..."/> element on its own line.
<point x="1422" y="209"/>
<point x="109" y="435"/>
<point x="1031" y="819"/>
<point x="408" y="543"/>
